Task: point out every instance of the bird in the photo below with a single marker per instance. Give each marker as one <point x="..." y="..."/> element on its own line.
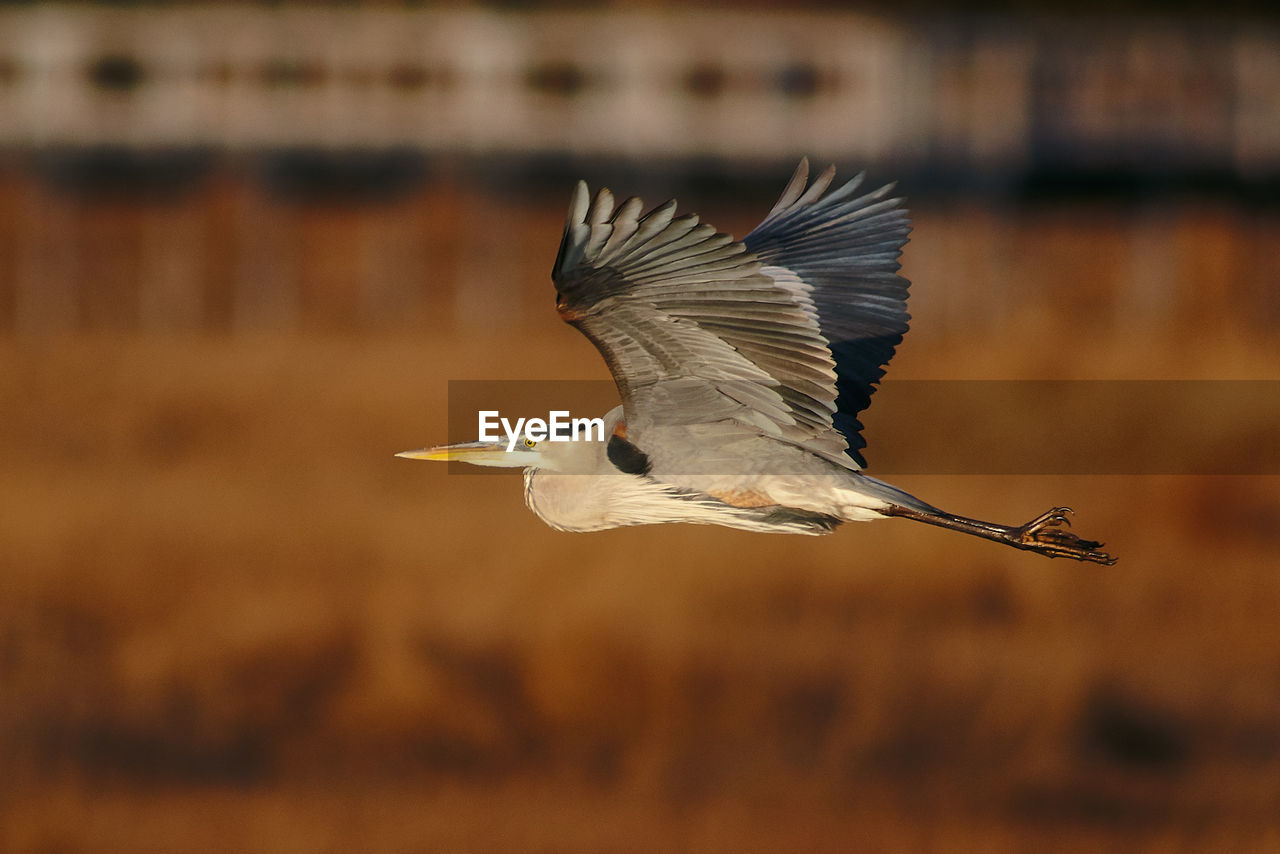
<point x="742" y="367"/>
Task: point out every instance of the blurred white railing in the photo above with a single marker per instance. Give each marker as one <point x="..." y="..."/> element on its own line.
<point x="644" y="83"/>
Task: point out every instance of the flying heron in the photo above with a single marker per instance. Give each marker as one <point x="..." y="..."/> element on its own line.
<point x="742" y="367"/>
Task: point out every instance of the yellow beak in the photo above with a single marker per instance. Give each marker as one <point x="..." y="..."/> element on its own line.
<point x="439" y="453"/>
<point x="477" y="453"/>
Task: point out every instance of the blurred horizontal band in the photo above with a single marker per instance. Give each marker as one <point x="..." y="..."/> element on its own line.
<point x="948" y="93"/>
<point x="995" y="427"/>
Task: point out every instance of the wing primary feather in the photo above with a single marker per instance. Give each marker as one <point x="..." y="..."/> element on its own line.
<point x="818" y="187"/>
<point x="848" y="188"/>
<point x="602" y="209"/>
<point x="794" y="189"/>
<point x="625" y="225"/>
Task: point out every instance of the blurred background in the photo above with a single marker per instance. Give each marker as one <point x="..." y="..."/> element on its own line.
<point x="245" y="247"/>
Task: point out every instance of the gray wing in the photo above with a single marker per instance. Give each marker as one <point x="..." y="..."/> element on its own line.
<point x="844" y="250"/>
<point x="692" y="327"/>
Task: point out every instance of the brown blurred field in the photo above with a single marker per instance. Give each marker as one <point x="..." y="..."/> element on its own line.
<point x="231" y="620"/>
<point x="244" y="251"/>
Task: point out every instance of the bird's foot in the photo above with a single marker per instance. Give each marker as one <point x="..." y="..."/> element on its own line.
<point x="1046" y="535"/>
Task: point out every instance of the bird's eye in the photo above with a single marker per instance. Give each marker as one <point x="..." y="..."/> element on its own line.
<point x="529" y="443"/>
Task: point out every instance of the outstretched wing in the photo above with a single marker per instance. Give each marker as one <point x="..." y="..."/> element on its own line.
<point x="843" y="252"/>
<point x="692" y="326"/>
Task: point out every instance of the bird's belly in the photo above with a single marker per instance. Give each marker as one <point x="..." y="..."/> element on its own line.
<point x="597" y="502"/>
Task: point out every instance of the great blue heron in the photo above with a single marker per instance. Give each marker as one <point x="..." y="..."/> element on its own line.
<point x="742" y="367"/>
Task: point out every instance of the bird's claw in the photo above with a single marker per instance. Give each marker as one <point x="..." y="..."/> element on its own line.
<point x="1056" y="517"/>
<point x="1045" y="535"/>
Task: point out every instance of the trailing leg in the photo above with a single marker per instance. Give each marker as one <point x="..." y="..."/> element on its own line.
<point x="1046" y="534"/>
